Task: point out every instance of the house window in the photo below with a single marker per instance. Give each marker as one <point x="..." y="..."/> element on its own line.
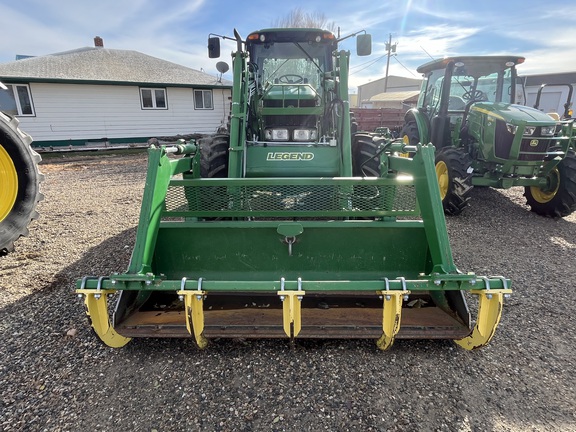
<point x="203" y="99"/>
<point x="153" y="98"/>
<point x="16" y="100"/>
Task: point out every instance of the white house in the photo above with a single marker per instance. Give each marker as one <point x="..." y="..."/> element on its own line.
<point x="95" y="94"/>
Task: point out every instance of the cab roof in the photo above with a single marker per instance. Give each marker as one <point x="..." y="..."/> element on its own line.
<point x="290" y="35"/>
<point x="487" y="64"/>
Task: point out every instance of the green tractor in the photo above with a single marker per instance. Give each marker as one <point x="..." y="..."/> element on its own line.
<point x="286" y="227"/>
<point x="466" y="110"/>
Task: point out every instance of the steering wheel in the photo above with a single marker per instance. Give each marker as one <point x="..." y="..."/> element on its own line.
<point x="290" y="79"/>
<point x="474" y="95"/>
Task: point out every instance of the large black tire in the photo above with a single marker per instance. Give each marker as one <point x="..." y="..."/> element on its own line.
<point x="454" y="179"/>
<point x="561" y="201"/>
<point x="410" y="134"/>
<point x="214" y="152"/>
<point x="20" y="183"/>
<point x="365" y="163"/>
<point x="214" y="156"/>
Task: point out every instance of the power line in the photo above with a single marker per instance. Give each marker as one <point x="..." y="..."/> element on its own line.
<point x="369" y="61"/>
<point x="427" y="53"/>
<point x="368" y="64"/>
<point x="412" y="73"/>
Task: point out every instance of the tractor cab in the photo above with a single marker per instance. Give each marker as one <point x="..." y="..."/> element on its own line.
<point x="482" y="137"/>
<point x="288" y="99"/>
<point x="454" y="85"/>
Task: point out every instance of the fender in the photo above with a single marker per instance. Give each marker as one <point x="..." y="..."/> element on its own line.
<point x="422" y="123"/>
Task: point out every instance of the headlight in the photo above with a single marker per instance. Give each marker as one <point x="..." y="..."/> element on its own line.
<point x="548" y="130"/>
<point x="529" y="130"/>
<point x="305" y="134"/>
<point x="511" y="128"/>
<point x="276" y="134"/>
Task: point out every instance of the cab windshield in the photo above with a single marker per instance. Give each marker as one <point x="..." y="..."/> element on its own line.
<point x="466" y="88"/>
<point x="290" y="63"/>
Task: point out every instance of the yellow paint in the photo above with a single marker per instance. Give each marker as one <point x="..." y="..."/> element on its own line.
<point x="489" y="313"/>
<point x="391" y="317"/>
<point x="9" y="182"/>
<point x="488" y="113"/>
<point x="546" y="196"/>
<point x="96" y="303"/>
<point x="292" y="312"/>
<point x="405" y="141"/>
<point x="194" y="307"/>
<point x="443" y="178"/>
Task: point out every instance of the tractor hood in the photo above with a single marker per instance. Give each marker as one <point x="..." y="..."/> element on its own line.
<point x="514" y="114"/>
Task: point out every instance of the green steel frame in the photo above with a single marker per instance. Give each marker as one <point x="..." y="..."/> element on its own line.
<point x="162" y="244"/>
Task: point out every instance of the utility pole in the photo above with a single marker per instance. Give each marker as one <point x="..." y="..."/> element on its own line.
<point x="391" y="49"/>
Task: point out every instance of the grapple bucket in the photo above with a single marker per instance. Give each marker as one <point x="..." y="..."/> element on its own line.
<point x="293" y="258"/>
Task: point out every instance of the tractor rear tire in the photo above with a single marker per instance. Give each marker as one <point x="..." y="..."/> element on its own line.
<point x="454" y="179"/>
<point x="561" y="201"/>
<point x="20" y="183"/>
<point x="410" y="134"/>
<point x="214" y="156"/>
<point x="365" y="163"/>
<point x="214" y="151"/>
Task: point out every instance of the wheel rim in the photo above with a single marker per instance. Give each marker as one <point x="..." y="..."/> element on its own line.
<point x="9" y="182"/>
<point x="544" y="196"/>
<point x="405" y="141"/>
<point x="443" y="178"/>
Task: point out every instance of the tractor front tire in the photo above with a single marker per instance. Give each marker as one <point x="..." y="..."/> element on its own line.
<point x="454" y="179"/>
<point x="20" y="183"/>
<point x="560" y="199"/>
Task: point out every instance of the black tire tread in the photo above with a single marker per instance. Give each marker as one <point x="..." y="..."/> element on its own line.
<point x="364" y="162"/>
<point x="564" y="203"/>
<point x="214" y="156"/>
<point x="25" y="159"/>
<point x="460" y="187"/>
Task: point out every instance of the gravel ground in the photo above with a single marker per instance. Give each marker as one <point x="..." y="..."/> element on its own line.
<point x="55" y="375"/>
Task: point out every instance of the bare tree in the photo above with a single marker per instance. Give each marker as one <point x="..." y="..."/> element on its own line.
<point x="302" y="19"/>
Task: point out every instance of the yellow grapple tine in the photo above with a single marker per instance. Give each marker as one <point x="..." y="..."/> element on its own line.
<point x="194" y="307"/>
<point x="291" y="309"/>
<point x="391" y="314"/>
<point x="489" y="313"/>
<point x="96" y="302"/>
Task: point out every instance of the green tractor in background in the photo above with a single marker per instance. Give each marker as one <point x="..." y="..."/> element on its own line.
<point x="466" y="109"/>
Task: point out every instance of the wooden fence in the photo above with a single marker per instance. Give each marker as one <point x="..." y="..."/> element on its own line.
<point x="369" y="119"/>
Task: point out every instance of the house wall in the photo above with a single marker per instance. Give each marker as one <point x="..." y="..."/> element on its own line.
<point x="67" y="112"/>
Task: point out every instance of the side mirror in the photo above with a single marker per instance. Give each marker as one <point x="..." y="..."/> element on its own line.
<point x="364" y="44"/>
<point x="213" y="47"/>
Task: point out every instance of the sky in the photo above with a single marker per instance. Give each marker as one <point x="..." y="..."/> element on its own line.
<point x="177" y="30"/>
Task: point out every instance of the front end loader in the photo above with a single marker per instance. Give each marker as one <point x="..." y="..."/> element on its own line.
<point x="286" y="227"/>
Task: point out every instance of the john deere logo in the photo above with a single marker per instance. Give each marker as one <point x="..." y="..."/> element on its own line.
<point x="290" y="156"/>
<point x="533" y="143"/>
